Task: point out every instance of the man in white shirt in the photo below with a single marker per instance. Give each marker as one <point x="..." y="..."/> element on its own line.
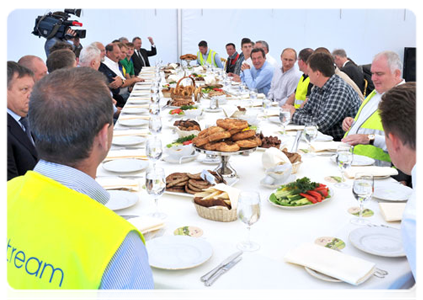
<point x="362" y="132"/>
<point x="285" y="79"/>
<point x="398" y="113"/>
<point x="269" y="58"/>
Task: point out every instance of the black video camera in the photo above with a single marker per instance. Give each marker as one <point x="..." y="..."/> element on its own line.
<point x="56" y="24"/>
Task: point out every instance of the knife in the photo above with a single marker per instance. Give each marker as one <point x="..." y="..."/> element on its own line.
<point x="222" y="271"/>
<point x="296" y="141"/>
<point x="221" y="265"/>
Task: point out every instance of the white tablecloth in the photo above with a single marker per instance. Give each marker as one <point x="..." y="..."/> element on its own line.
<point x="277" y="231"/>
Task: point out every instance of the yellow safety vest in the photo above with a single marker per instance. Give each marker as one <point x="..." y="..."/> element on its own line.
<point x="58" y="238"/>
<point x="301" y="92"/>
<point x="373" y="125"/>
<point x="210" y="58"/>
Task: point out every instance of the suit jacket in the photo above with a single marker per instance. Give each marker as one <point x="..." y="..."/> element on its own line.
<point x="21" y="153"/>
<point x="355" y="74"/>
<point x="138" y="64"/>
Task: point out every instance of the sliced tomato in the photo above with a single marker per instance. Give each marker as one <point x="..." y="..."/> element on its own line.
<point x="187" y="142"/>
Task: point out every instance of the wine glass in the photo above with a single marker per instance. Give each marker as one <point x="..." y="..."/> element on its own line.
<point x="154" y="108"/>
<point x="155" y="124"/>
<point x="310" y="134"/>
<point x="344" y="158"/>
<point x="362" y="189"/>
<point x="285" y="118"/>
<point x="155" y="183"/>
<point x="249" y="213"/>
<point x="153" y="148"/>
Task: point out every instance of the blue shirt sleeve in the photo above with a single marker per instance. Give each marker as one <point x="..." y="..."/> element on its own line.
<point x="218" y="61"/>
<point x="262" y="80"/>
<point x="129" y="267"/>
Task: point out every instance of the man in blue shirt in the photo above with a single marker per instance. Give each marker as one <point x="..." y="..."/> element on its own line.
<point x="260" y="76"/>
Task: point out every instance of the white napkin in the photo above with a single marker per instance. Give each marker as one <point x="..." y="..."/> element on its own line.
<point x="118" y="154"/>
<point x="197" y="70"/>
<point x="326" y="146"/>
<point x="273" y="157"/>
<point x="228" y="109"/>
<point x="172" y="65"/>
<point x="392" y="212"/>
<point x="373" y="170"/>
<point x="130" y="132"/>
<point x="115" y="183"/>
<point x="332" y="263"/>
<point x="233" y="193"/>
<point x="173" y="78"/>
<point x="210" y="79"/>
<point x="146" y="223"/>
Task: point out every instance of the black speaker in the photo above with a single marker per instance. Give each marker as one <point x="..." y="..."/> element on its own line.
<point x="409" y="71"/>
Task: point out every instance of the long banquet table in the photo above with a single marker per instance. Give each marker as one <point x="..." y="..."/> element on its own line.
<point x="277" y="231"/>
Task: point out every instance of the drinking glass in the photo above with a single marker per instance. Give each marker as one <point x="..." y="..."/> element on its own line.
<point x="285" y="118"/>
<point x="310" y="134"/>
<point x="155" y="124"/>
<point x="155" y="183"/>
<point x="344" y="158"/>
<point x="249" y="213"/>
<point x="253" y="94"/>
<point x="153" y="148"/>
<point x="362" y="189"/>
<point x="266" y="103"/>
<point x="154" y="108"/>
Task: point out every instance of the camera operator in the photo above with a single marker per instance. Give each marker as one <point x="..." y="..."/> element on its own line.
<point x="50" y="42"/>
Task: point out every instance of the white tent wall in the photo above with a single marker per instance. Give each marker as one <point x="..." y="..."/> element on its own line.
<point x="361" y="32"/>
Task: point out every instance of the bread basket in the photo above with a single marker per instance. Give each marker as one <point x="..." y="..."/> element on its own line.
<point x="221" y="215"/>
<point x="185" y="96"/>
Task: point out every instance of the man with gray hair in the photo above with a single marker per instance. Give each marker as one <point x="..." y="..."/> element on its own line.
<point x="265" y="46"/>
<point x="90" y="57"/>
<point x="365" y="131"/>
<point x="349" y="67"/>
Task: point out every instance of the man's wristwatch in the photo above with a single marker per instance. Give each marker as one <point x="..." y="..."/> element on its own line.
<point x="123" y="81"/>
<point x="371" y="138"/>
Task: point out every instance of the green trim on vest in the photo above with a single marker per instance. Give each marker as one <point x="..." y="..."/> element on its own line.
<point x="210" y="58"/>
<point x="374" y="122"/>
<point x="50" y="235"/>
<point x="301" y="92"/>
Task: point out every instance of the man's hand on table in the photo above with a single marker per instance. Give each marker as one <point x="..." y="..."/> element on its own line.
<point x="356" y="139"/>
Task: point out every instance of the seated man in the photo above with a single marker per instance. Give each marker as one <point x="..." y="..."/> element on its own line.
<point x="232" y="58"/>
<point x="285" y="79"/>
<point x="398" y="115"/>
<point x="260" y="76"/>
<point x="349" y="67"/>
<point x="127" y="62"/>
<point x="21" y="153"/>
<point x="35" y="64"/>
<point x="365" y="131"/>
<point x="100" y="250"/>
<point x="61" y="59"/>
<point x="269" y="58"/>
<point x="246" y="47"/>
<point x="207" y="56"/>
<point x="331" y="100"/>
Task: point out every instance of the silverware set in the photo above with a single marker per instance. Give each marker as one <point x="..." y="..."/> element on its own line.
<point x="210" y="277"/>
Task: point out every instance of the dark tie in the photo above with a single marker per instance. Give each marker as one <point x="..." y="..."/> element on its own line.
<point x="24" y="121"/>
<point x="142" y="58"/>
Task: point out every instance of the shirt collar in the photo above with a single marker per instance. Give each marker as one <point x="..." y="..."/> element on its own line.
<point x="14" y="115"/>
<point x="110" y="62"/>
<point x="73" y="179"/>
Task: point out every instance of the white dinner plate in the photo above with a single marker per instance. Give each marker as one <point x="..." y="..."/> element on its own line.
<point x="275" y="120"/>
<point x="185" y="159"/>
<point x="321" y="276"/>
<point x="331" y="193"/>
<point x="229" y="181"/>
<point x="129" y="140"/>
<point x="137" y="100"/>
<point x="125" y="165"/>
<point x="391" y="191"/>
<point x="380" y="241"/>
<point x="215" y="110"/>
<point x="121" y="199"/>
<point x="134" y="110"/>
<point x="358" y="160"/>
<point x="140" y="87"/>
<point x="177" y="252"/>
<point x="133" y="122"/>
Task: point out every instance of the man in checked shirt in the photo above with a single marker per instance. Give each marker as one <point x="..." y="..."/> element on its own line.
<point x="331" y="100"/>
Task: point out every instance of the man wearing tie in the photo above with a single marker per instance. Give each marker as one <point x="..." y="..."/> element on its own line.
<point x="140" y="56"/>
<point x="21" y="153"/>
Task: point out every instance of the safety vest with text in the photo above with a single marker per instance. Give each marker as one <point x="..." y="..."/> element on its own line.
<point x="58" y="238"/>
<point x="373" y="125"/>
<point x="301" y="92"/>
<point x="210" y="58"/>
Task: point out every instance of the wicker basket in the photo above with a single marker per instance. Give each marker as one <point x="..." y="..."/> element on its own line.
<point x="181" y="98"/>
<point x="221" y="215"/>
<point x="296" y="166"/>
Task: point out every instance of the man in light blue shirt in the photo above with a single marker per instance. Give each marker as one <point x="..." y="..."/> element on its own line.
<point x="260" y="76"/>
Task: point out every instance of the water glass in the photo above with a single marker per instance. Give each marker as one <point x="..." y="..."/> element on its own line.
<point x="285" y="118"/>
<point x="362" y="189"/>
<point x="344" y="158"/>
<point x="154" y="148"/>
<point x="249" y="213"/>
<point x="155" y="124"/>
<point x="155" y="183"/>
<point x="154" y="108"/>
<point x="310" y="134"/>
<point x="253" y="94"/>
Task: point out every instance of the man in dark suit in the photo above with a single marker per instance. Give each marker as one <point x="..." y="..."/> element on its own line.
<point x="140" y="56"/>
<point x="349" y="67"/>
<point x="21" y="153"/>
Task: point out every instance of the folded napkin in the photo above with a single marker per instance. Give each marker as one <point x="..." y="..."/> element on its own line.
<point x="118" y="154"/>
<point x="172" y="65"/>
<point x="233" y="194"/>
<point x="173" y="78"/>
<point x="130" y="105"/>
<point x="392" y="212"/>
<point x="146" y="223"/>
<point x="273" y="157"/>
<point x="332" y="263"/>
<point x="198" y="69"/>
<point x="326" y="146"/>
<point x="293" y="127"/>
<point x="133" y="118"/>
<point x="229" y="110"/>
<point x="115" y="183"/>
<point x="210" y="79"/>
<point x="261" y="96"/>
<point x="130" y="132"/>
<point x="373" y="170"/>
